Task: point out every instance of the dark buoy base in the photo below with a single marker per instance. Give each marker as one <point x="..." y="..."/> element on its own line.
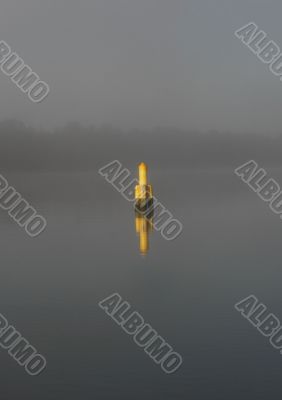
<point x="141" y="206"/>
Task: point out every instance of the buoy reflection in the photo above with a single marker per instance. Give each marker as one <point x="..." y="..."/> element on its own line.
<point x="143" y="226"/>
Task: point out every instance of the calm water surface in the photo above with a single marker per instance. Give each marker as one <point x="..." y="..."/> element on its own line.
<point x="186" y="289"/>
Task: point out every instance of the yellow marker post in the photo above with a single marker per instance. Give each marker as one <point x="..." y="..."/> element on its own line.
<point x="142" y="174"/>
<point x="143" y="202"/>
<point x="143" y="191"/>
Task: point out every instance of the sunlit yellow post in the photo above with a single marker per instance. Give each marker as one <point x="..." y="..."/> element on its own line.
<point x="143" y="191"/>
<point x="143" y="201"/>
<point x="142" y="174"/>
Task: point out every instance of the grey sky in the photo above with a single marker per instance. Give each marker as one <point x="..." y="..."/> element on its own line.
<point x="144" y="63"/>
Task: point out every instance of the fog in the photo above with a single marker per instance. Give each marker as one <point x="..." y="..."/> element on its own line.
<point x="142" y="64"/>
<point x="78" y="147"/>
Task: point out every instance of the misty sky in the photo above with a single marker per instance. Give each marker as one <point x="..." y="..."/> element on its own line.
<point x="143" y="63"/>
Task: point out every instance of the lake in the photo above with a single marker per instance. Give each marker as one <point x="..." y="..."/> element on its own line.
<point x="186" y="289"/>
